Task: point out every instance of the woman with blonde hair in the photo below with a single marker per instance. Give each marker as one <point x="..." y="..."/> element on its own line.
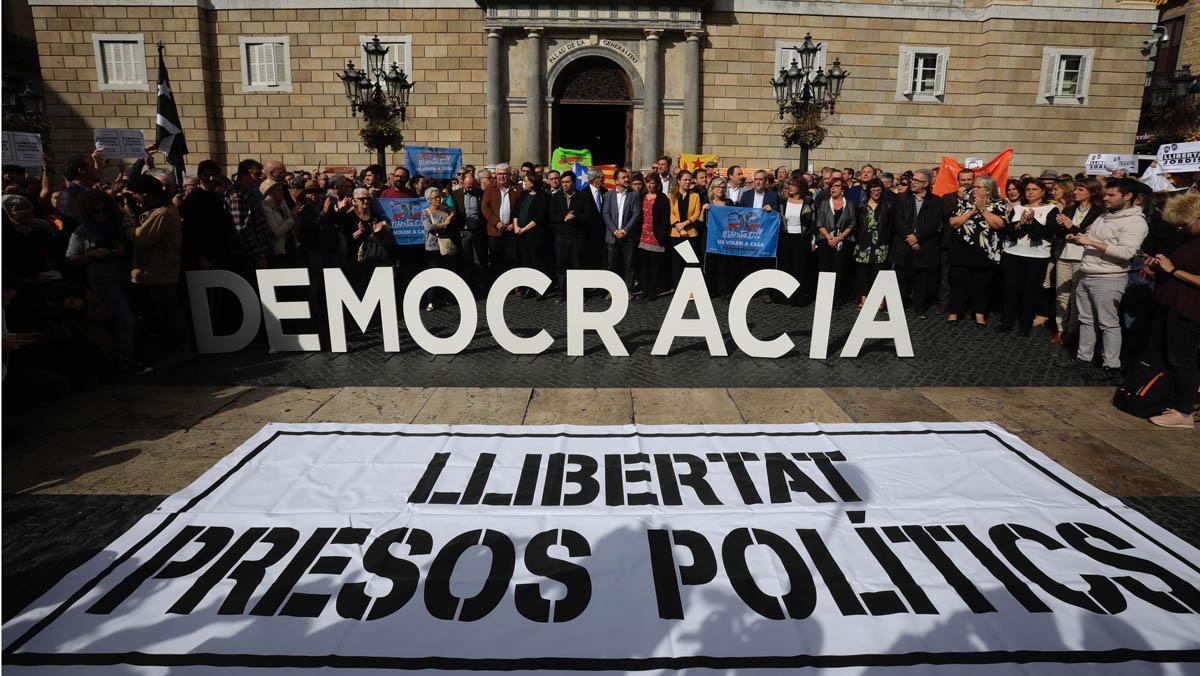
<point x="280" y="220"/>
<point x="1176" y="331"/>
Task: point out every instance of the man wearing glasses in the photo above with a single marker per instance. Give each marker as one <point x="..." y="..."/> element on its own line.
<point x="399" y="186"/>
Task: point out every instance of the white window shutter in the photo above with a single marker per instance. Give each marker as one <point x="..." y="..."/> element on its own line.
<point x="138" y="73"/>
<point x="906" y="72"/>
<point x="1049" y="73"/>
<point x="280" y="64"/>
<point x="1085" y="74"/>
<point x="939" y="83"/>
<point x="254" y="64"/>
<point x="114" y="62"/>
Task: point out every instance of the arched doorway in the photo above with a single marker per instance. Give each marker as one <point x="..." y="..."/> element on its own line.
<point x="593" y="109"/>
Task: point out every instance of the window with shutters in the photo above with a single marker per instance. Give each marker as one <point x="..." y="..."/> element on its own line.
<point x="399" y="52"/>
<point x="1065" y="76"/>
<point x="266" y="64"/>
<point x="120" y="61"/>
<point x="921" y="74"/>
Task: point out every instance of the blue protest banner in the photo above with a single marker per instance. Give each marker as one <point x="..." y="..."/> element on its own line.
<point x="439" y="163"/>
<point x="404" y="213"/>
<point x="743" y="231"/>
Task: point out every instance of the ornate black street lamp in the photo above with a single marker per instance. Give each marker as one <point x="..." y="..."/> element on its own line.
<point x="807" y="94"/>
<point x="381" y="95"/>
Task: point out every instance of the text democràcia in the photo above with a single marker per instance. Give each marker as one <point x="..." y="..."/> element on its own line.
<point x="380" y="295"/>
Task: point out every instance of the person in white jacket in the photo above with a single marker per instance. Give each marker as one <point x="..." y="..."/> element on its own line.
<point x="1113" y="240"/>
<point x="280" y="220"/>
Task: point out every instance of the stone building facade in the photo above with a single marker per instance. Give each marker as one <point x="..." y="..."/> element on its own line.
<point x="504" y="80"/>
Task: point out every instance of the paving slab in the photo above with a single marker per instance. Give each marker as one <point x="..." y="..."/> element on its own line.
<point x="85" y="408"/>
<point x="373" y="405"/>
<point x="131" y="461"/>
<point x="1173" y="452"/>
<point x="263" y="405"/>
<point x="580" y="406"/>
<point x="1104" y="466"/>
<point x="475" y="406"/>
<point x="881" y="405"/>
<point x="1092" y="409"/>
<point x="1014" y="408"/>
<point x="679" y="406"/>
<point x="771" y="406"/>
<point x="168" y="407"/>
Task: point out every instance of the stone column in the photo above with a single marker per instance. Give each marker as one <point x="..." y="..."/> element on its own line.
<point x="691" y="93"/>
<point x="535" y="98"/>
<point x="495" y="96"/>
<point x="652" y="119"/>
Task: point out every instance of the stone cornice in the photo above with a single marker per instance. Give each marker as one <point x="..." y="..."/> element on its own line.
<point x="689" y="17"/>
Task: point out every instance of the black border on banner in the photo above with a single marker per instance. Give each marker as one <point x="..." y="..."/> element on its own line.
<point x="581" y="663"/>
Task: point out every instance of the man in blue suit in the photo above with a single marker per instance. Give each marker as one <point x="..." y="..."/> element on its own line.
<point x="621" y="211"/>
<point x="760" y="197"/>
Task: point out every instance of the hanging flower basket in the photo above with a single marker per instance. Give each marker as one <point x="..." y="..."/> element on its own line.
<point x="377" y="136"/>
<point x="808" y="136"/>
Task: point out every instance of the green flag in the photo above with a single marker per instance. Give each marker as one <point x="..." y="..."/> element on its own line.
<point x="564" y="158"/>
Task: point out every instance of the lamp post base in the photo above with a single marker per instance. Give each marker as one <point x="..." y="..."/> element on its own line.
<point x="803" y="157"/>
<point x="381" y="159"/>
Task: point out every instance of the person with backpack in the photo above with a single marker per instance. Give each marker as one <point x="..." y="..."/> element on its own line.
<point x="1176" y="329"/>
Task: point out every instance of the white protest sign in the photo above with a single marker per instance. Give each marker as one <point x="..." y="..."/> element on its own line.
<point x="1176" y="157"/>
<point x="973" y="163"/>
<point x="865" y="548"/>
<point x="1103" y="164"/>
<point x="128" y="144"/>
<point x="22" y="149"/>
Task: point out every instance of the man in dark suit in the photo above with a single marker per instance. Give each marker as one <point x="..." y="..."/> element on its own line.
<point x="593" y="251"/>
<point x="572" y="215"/>
<point x="761" y="197"/>
<point x="621" y="212"/>
<point x="473" y="248"/>
<point x="916" y="244"/>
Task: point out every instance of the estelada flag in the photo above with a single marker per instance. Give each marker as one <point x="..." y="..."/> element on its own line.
<point x="692" y="161"/>
<point x="947" y="178"/>
<point x="563" y="159"/>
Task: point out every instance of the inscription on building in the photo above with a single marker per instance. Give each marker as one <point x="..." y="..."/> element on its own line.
<point x="568" y="47"/>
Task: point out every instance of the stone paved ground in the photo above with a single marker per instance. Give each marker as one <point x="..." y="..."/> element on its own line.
<point x="73" y="483"/>
<point x="961" y="354"/>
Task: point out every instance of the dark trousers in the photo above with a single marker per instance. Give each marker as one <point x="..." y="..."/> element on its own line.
<point x="794" y="250"/>
<point x="864" y="277"/>
<point x="650" y="265"/>
<point x="970" y="289"/>
<point x="620" y="259"/>
<point x="1176" y="340"/>
<point x="503" y="254"/>
<point x="1023" y="277"/>
<point x="529" y="248"/>
<point x="724" y="273"/>
<point x="160" y="308"/>
<point x="677" y="262"/>
<point x="568" y="254"/>
<point x="830" y="259"/>
<point x="473" y="259"/>
<point x="919" y="284"/>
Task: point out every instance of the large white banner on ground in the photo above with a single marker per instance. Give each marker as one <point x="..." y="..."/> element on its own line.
<point x="882" y="549"/>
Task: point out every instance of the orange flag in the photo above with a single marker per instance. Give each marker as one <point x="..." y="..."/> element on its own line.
<point x="947" y="178"/>
<point x="692" y="161"/>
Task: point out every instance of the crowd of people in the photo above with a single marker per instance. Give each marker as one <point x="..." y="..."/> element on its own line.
<point x="93" y="268"/>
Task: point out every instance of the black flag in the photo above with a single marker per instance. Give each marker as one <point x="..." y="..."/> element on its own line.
<point x="169" y="134"/>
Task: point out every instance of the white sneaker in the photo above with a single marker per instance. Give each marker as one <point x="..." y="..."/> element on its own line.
<point x="1174" y="420"/>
